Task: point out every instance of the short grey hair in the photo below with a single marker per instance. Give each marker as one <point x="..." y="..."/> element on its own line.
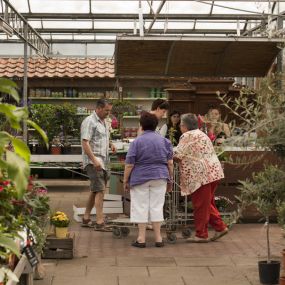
<point x="190" y="121"/>
<point x="101" y="103"/>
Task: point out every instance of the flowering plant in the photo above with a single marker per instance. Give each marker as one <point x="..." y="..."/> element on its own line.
<point x="222" y="203"/>
<point x="60" y="220"/>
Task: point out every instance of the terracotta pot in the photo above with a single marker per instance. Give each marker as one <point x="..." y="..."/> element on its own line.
<point x="282" y="280"/>
<point x="61" y="232"/>
<point x="55" y="150"/>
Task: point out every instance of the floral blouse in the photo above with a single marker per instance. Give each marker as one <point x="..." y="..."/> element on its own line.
<point x="199" y="164"/>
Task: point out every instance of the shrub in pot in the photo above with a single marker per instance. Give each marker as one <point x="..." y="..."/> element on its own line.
<point x="265" y="192"/>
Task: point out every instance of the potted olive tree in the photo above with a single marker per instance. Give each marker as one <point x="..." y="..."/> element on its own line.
<point x="262" y="112"/>
<point x="265" y="191"/>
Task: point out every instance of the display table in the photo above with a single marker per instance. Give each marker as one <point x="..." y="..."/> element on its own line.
<point x="56" y="158"/>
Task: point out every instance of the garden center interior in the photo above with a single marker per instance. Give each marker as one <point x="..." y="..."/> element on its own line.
<point x="65" y="54"/>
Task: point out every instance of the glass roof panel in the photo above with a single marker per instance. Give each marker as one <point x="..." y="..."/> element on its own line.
<point x="74" y="24"/>
<point x="235" y="7"/>
<point x="172" y="25"/>
<point x="20" y="5"/>
<point x="187" y="7"/>
<point x="218" y="25"/>
<point x="59" y="6"/>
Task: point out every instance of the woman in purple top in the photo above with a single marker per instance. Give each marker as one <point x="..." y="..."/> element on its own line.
<point x="148" y="174"/>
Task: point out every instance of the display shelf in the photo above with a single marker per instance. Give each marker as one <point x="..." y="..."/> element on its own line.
<point x="131" y="117"/>
<point x="68" y="98"/>
<point x="141" y="99"/>
<point x="137" y="117"/>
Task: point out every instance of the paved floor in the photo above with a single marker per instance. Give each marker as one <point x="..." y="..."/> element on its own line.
<point x="101" y="259"/>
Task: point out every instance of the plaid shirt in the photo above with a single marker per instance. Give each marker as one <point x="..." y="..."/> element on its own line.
<point x="97" y="133"/>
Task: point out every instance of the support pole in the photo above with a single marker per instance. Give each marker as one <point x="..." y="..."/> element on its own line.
<point x="25" y="85"/>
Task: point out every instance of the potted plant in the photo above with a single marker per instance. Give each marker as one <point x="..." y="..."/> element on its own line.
<point x="56" y="146"/>
<point x="61" y="222"/>
<point x="14" y="178"/>
<point x="265" y="191"/>
<point x="69" y="123"/>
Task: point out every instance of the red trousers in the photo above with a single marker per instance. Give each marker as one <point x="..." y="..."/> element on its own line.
<point x="205" y="210"/>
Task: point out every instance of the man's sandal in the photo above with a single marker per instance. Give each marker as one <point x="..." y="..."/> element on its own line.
<point x="102" y="228"/>
<point x="87" y="223"/>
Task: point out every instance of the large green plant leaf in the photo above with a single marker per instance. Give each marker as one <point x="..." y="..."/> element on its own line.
<point x="8" y="111"/>
<point x="4" y="140"/>
<point x="9" y="87"/>
<point x="39" y="130"/>
<point x="19" y="146"/>
<point x="8" y="242"/>
<point x="18" y="171"/>
<point x="21" y="149"/>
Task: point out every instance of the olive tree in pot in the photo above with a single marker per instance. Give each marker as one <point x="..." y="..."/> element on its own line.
<point x="265" y="191"/>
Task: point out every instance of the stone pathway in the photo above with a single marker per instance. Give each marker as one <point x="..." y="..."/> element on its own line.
<point x="102" y="260"/>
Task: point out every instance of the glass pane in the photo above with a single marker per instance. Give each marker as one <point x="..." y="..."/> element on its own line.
<point x="59" y="6"/>
<point x="233" y="7"/>
<point x="20" y="5"/>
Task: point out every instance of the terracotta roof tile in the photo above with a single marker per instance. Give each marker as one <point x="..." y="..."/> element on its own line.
<point x="58" y="67"/>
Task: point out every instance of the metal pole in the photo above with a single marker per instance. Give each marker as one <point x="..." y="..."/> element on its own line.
<point x="25" y="85"/>
<point x="279" y="28"/>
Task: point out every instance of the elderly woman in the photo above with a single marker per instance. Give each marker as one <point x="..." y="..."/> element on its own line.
<point x="200" y="172"/>
<point x="148" y="169"/>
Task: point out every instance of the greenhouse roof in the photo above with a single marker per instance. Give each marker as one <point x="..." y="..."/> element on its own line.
<point x="88" y="22"/>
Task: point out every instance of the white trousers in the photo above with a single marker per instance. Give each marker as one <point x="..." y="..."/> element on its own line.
<point x="147" y="201"/>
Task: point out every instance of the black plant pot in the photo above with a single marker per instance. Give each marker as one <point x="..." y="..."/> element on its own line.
<point x="66" y="149"/>
<point x="269" y="272"/>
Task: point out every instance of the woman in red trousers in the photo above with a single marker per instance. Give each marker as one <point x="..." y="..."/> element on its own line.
<point x="200" y="173"/>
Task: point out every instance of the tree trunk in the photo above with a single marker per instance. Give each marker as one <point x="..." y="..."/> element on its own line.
<point x="267" y="240"/>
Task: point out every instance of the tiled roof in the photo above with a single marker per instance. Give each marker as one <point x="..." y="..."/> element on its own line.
<point x="58" y="67"/>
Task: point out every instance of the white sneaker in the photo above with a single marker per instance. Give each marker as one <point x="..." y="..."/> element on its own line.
<point x="197" y="239"/>
<point x="218" y="235"/>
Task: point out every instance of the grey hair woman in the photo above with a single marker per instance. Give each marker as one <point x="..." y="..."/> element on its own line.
<point x="200" y="173"/>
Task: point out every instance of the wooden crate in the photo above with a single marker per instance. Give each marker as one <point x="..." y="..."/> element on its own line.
<point x="58" y="248"/>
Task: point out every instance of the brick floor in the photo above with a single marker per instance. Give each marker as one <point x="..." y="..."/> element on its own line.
<point x="102" y="260"/>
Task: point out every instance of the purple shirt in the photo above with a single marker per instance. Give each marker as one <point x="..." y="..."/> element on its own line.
<point x="149" y="153"/>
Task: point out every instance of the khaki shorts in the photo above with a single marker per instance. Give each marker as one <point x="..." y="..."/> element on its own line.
<point x="98" y="179"/>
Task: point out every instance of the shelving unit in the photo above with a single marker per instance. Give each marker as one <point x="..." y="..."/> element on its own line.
<point x="142" y="97"/>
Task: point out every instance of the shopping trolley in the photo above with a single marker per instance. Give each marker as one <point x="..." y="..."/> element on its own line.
<point x="176" y="212"/>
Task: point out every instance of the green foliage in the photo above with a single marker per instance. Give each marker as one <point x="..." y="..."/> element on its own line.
<point x="223" y="203"/>
<point x="262" y="112"/>
<point x="56" y="120"/>
<point x="172" y="132"/>
<point x="16" y="212"/>
<point x="281" y="214"/>
<point x="122" y="106"/>
<point x="265" y="191"/>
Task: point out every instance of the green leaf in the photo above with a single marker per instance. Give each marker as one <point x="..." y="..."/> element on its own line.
<point x="39" y="130"/>
<point x="18" y="171"/>
<point x="8" y="111"/>
<point x="21" y="149"/>
<point x="9" y="244"/>
<point x="9" y="87"/>
<point x="4" y="140"/>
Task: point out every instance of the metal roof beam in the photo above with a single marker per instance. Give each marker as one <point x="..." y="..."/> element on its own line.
<point x="130" y="31"/>
<point x="13" y="22"/>
<point x="79" y="16"/>
<point x="64" y="41"/>
<point x="156" y="14"/>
